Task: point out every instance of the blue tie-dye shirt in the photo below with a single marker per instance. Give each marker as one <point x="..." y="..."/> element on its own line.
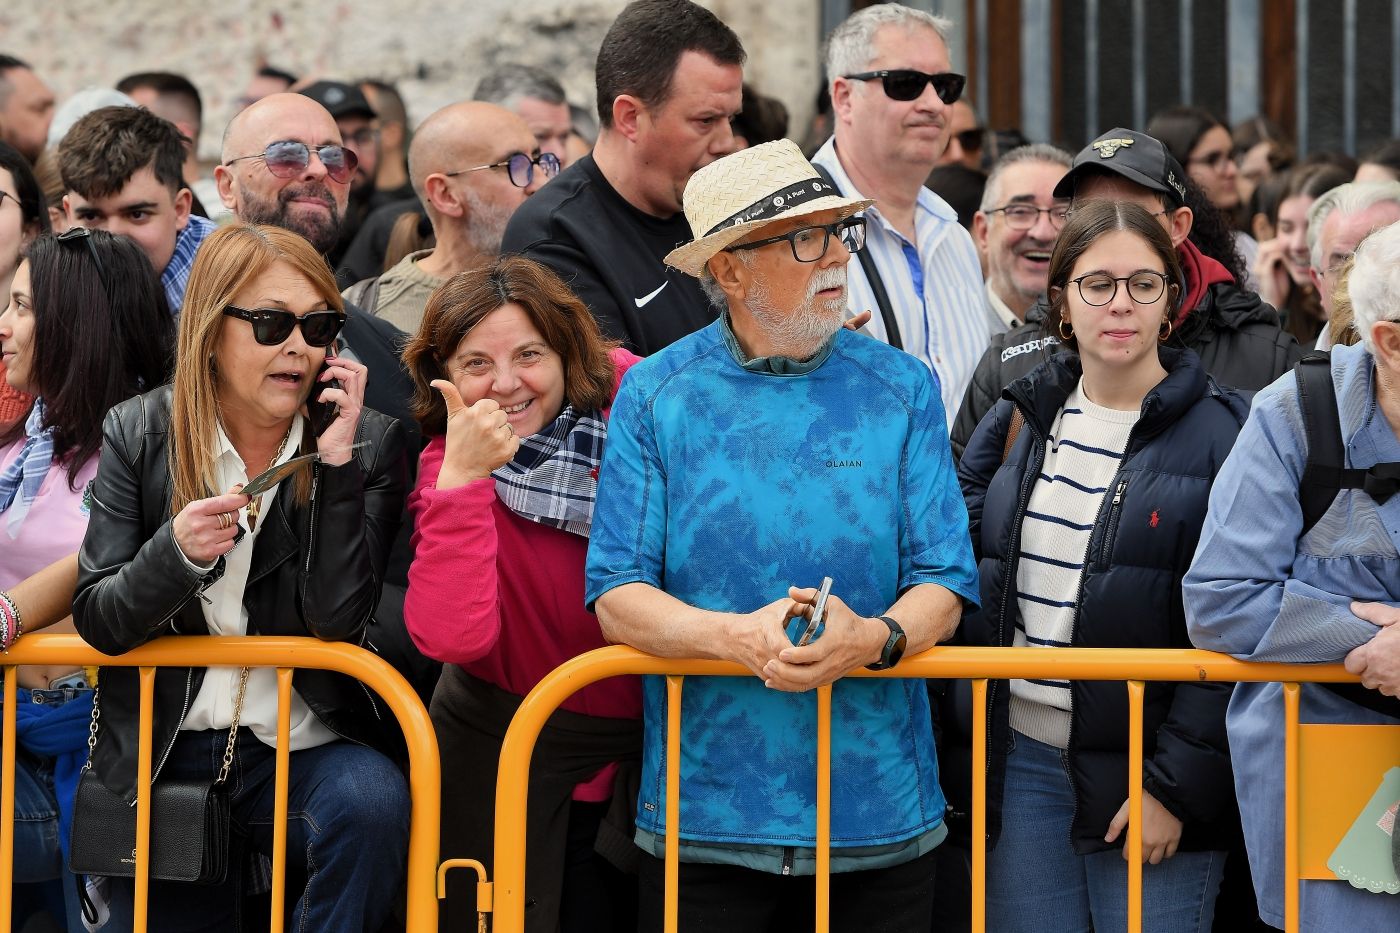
<point x="722" y="486"/>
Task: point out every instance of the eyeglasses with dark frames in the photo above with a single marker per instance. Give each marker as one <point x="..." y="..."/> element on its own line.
<point x="288" y="158"/>
<point x="271" y="326"/>
<point x="1099" y="288"/>
<point x="74" y="235"/>
<point x="908" y="84"/>
<point x="520" y="168"/>
<point x="1026" y="216"/>
<point x="809" y="244"/>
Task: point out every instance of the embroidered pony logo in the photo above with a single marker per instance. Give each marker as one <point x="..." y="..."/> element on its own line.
<point x="1154" y="519"/>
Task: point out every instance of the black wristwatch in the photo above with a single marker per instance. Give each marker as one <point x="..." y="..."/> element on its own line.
<point x="894" y="648"/>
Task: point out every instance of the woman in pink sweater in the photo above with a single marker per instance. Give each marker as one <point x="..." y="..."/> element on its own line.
<point x="513" y="385"/>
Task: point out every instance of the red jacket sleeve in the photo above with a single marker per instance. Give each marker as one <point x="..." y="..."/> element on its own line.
<point x="452" y="608"/>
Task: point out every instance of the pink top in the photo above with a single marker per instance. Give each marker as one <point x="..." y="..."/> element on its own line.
<point x="55" y="525"/>
<point x="477" y="565"/>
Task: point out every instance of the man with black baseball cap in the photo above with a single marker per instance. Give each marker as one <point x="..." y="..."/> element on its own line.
<point x="1236" y="335"/>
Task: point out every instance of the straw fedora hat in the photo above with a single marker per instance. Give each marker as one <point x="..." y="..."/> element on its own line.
<point x="732" y="196"/>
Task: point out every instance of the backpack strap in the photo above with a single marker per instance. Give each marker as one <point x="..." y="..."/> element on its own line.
<point x="872" y="275"/>
<point x="1324" y="475"/>
<point x="364" y="294"/>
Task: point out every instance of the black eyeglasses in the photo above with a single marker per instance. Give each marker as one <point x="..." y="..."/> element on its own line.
<point x="289" y="158"/>
<point x="1098" y="288"/>
<point x="520" y="167"/>
<point x="271" y="326"/>
<point x="1026" y="216"/>
<point x="907" y="84"/>
<point x="74" y="235"/>
<point x="809" y="244"/>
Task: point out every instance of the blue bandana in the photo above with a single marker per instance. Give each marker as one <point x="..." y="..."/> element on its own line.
<point x="19" y="484"/>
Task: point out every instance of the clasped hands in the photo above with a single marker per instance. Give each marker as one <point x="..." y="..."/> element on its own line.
<point x="1378" y="661"/>
<point x="759" y="641"/>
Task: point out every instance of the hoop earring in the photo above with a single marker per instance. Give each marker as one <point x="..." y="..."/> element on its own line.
<point x="1066" y="331"/>
<point x="1162" y="335"/>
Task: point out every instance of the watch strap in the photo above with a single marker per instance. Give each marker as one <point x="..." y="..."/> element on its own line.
<point x="893" y="650"/>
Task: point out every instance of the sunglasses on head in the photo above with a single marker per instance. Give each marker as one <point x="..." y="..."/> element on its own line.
<point x="271" y="326"/>
<point x="74" y="235"/>
<point x="289" y="158"/>
<point x="907" y="84"/>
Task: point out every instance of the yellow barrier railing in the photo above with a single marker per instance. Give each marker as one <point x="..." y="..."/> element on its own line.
<point x="284" y="654"/>
<point x="1135" y="667"/>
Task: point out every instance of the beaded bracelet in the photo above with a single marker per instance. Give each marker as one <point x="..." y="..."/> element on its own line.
<point x="10" y="623"/>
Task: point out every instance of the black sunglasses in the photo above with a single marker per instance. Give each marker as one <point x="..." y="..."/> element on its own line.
<point x="520" y="168"/>
<point x="907" y="84"/>
<point x="271" y="326"/>
<point x="75" y="234"/>
<point x="288" y="158"/>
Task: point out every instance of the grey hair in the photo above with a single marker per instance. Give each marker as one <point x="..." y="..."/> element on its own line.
<point x="1036" y="152"/>
<point x="1351" y="198"/>
<point x="508" y="83"/>
<point x="1375" y="282"/>
<point x="718" y="299"/>
<point x="851" y="45"/>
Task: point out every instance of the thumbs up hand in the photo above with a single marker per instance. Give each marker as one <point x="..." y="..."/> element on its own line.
<point x="479" y="439"/>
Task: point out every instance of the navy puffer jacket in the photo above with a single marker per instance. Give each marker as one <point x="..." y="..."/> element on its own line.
<point x="1130" y="597"/>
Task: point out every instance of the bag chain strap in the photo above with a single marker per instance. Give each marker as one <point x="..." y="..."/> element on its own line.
<point x="232" y="729"/>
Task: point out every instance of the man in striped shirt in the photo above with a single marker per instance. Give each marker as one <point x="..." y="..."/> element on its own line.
<point x="892" y="92"/>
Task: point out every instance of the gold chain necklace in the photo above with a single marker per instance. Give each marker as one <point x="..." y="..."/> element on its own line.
<point x="255" y="507"/>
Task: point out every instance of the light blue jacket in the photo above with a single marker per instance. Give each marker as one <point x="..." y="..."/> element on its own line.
<point x="1257" y="591"/>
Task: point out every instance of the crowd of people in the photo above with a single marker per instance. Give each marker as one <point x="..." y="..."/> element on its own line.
<point x="487" y="391"/>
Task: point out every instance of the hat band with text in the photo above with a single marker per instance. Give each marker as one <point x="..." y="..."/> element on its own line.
<point x="799" y="193"/>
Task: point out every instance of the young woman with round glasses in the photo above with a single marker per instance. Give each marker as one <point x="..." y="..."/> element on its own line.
<point x="1086" y="488"/>
<point x="174" y="547"/>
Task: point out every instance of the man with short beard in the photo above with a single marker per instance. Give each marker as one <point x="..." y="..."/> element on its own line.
<point x="283" y="164"/>
<point x="744" y="463"/>
<point x="472" y="164"/>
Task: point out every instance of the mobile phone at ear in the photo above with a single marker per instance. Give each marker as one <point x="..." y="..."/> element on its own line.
<point x="322" y="414"/>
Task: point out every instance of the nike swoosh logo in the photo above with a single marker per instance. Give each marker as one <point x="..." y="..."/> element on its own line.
<point x="642" y="302"/>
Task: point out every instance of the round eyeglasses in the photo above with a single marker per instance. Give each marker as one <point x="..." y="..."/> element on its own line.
<point x="809" y="244"/>
<point x="520" y="167"/>
<point x="1026" y="216"/>
<point x="1099" y="288"/>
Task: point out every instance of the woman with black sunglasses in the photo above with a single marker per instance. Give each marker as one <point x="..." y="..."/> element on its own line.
<point x="175" y="548"/>
<point x="86" y="327"/>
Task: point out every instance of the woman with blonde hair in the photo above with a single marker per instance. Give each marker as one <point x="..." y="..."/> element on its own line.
<point x="174" y="547"/>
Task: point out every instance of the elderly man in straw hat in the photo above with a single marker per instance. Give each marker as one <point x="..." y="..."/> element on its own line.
<point x="744" y="464"/>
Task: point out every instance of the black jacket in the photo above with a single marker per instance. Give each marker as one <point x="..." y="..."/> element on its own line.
<point x="1236" y="335"/>
<point x="613" y="257"/>
<point x="1130" y="597"/>
<point x="316" y="570"/>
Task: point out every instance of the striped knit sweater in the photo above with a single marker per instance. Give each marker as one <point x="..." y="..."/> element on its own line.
<point x="1082" y="454"/>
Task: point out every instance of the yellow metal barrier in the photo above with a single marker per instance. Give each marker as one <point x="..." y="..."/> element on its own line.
<point x="977" y="664"/>
<point x="284" y="654"/>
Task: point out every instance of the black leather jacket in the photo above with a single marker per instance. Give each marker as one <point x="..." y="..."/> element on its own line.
<point x="316" y="570"/>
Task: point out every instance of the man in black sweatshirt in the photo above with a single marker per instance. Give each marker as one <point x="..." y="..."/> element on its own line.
<point x="668" y="79"/>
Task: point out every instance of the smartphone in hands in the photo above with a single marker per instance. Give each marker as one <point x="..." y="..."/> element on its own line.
<point x="818" y="619"/>
<point x="322" y="414"/>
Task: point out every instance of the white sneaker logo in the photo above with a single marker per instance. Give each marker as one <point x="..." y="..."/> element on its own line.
<point x="642" y="302"/>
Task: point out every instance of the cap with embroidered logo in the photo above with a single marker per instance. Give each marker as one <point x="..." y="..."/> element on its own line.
<point x="1139" y="158"/>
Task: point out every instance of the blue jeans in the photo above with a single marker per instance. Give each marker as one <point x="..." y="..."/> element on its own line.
<point x="1037" y="882"/>
<point x="38" y="855"/>
<point x="347" y="837"/>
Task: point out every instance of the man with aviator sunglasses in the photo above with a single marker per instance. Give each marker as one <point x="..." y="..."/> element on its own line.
<point x="892" y="92"/>
<point x="284" y="164"/>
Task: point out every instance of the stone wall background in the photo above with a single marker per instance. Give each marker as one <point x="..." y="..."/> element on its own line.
<point x="434" y="50"/>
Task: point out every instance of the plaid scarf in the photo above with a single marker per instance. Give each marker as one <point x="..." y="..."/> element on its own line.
<point x="553" y="478"/>
<point x="19" y="484"/>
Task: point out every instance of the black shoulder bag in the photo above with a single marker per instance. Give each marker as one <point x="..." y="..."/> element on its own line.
<point x="189" y="821"/>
